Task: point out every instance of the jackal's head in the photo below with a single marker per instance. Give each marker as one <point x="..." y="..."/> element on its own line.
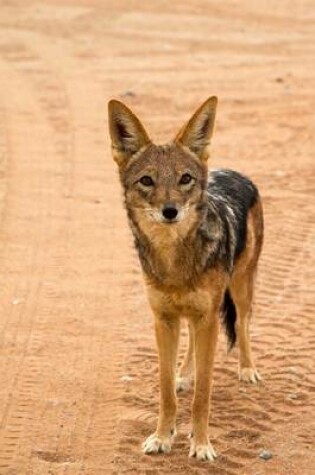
<point x="164" y="185"/>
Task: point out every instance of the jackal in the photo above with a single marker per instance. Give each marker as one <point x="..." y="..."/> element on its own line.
<point x="199" y="237"/>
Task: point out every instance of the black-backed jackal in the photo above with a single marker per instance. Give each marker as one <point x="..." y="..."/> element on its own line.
<point x="199" y="236"/>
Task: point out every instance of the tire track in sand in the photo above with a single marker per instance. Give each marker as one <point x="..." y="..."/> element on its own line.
<point x="65" y="410"/>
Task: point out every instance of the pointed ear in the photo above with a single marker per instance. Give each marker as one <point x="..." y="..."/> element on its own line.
<point x="127" y="133"/>
<point x="197" y="133"/>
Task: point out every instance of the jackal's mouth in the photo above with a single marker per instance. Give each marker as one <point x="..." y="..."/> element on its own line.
<point x="168" y="222"/>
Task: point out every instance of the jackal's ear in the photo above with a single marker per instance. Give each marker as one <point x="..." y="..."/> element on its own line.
<point x="197" y="133"/>
<point x="127" y="133"/>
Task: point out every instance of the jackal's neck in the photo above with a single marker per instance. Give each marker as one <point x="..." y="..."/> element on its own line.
<point x="171" y="257"/>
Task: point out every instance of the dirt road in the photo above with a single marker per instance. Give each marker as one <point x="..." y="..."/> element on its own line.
<point x="78" y="365"/>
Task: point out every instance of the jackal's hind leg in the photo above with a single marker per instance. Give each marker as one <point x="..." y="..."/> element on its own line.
<point x="242" y="294"/>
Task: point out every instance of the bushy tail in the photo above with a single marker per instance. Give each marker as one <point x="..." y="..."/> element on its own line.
<point x="229" y="318"/>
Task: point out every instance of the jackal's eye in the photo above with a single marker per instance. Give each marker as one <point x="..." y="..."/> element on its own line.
<point x="185" y="179"/>
<point x="146" y="181"/>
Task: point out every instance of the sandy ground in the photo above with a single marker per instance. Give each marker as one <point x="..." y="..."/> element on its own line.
<point x="78" y="364"/>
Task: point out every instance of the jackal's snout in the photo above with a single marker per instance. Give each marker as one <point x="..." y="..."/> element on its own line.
<point x="167" y="213"/>
<point x="170" y="212"/>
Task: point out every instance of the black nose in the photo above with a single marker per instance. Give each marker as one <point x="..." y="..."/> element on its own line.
<point x="169" y="212"/>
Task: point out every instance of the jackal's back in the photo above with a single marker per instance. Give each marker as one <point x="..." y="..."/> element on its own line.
<point x="234" y="195"/>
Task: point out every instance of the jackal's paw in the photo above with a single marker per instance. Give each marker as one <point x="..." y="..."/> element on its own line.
<point x="183" y="383"/>
<point x="203" y="452"/>
<point x="249" y="375"/>
<point x="158" y="445"/>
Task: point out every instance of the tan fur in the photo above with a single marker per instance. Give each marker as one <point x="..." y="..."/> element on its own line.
<point x="172" y="293"/>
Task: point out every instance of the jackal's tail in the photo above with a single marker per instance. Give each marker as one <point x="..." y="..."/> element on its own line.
<point x="229" y="318"/>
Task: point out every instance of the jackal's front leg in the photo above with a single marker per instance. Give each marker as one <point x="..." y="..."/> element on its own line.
<point x="206" y="335"/>
<point x="185" y="374"/>
<point x="167" y="334"/>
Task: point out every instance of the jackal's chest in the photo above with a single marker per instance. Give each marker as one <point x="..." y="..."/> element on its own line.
<point x="171" y="258"/>
<point x="172" y="264"/>
<point x="196" y="302"/>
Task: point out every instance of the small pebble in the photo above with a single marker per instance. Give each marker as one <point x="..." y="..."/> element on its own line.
<point x="293" y="396"/>
<point x="126" y="378"/>
<point x="128" y="94"/>
<point x="280" y="173"/>
<point x="292" y="370"/>
<point x="265" y="455"/>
